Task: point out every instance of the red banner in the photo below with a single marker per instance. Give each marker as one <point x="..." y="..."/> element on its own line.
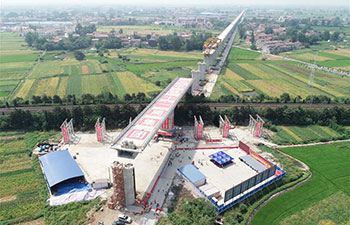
<point x="65" y="134"/>
<point x="99" y="133"/>
<point x="200" y="131"/>
<point x="258" y="129"/>
<point x="226" y="129"/>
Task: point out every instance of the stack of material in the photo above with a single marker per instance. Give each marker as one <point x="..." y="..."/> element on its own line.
<point x="252" y="163"/>
<point x="118" y="197"/>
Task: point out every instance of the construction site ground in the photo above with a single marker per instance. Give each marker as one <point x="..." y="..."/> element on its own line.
<point x="95" y="159"/>
<point x="96" y="165"/>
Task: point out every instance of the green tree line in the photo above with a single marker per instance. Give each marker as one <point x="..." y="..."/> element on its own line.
<point x="118" y="117"/>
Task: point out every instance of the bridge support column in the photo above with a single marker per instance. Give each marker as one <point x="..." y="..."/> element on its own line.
<point x="196" y="77"/>
<point x="201" y="68"/>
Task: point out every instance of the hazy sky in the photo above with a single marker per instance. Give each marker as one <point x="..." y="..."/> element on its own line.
<point x="180" y="2"/>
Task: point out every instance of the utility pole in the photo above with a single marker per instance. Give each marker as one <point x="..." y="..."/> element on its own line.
<point x="311" y="78"/>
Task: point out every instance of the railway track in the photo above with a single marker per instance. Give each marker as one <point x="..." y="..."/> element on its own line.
<point x="211" y="105"/>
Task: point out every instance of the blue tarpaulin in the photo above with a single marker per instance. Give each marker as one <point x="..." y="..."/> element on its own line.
<point x="220" y="158"/>
<point x="66" y="188"/>
<point x="59" y="166"/>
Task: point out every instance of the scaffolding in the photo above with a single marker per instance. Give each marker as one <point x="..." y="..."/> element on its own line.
<point x="256" y="125"/>
<point x="118" y="196"/>
<point x="68" y="134"/>
<point x="198" y="128"/>
<point x="100" y="127"/>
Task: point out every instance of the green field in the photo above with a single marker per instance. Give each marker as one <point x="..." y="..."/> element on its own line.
<point x="148" y="29"/>
<point x="246" y="74"/>
<point x="338" y="208"/>
<point x="16" y="60"/>
<point x="299" y="135"/>
<point x="334" y="58"/>
<point x="330" y="174"/>
<point x="20" y="187"/>
<point x="60" y="74"/>
<point x="23" y="189"/>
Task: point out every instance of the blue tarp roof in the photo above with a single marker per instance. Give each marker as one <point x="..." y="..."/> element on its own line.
<point x="59" y="166"/>
<point x="192" y="173"/>
<point x="221" y="158"/>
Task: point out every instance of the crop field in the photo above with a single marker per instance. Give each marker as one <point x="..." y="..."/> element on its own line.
<point x="16" y="60"/>
<point x="297" y="134"/>
<point x="159" y="29"/>
<point x="242" y="54"/>
<point x="336" y="212"/>
<point x="244" y="74"/>
<point x="23" y="190"/>
<point x="330" y="179"/>
<point x="339" y="58"/>
<point x="164" y="76"/>
<point x="60" y="74"/>
<point x="19" y="191"/>
<point x="135" y="84"/>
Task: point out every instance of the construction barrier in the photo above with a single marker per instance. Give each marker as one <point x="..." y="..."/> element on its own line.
<point x="261" y="159"/>
<point x="221" y="208"/>
<point x="149" y="194"/>
<point x="204" y="148"/>
<point x="213" y="140"/>
<point x="244" y="147"/>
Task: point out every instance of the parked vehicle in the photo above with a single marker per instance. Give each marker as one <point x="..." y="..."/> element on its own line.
<point x="118" y="223"/>
<point x="125" y="218"/>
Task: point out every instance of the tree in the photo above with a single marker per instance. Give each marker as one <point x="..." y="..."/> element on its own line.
<point x="335" y="36"/>
<point x="78" y="28"/>
<point x="253" y="47"/>
<point x="285" y="97"/>
<point x="30" y="38"/>
<point x="326" y="35"/>
<point x="79" y="55"/>
<point x="163" y="43"/>
<point x="57" y="99"/>
<point x="252" y="40"/>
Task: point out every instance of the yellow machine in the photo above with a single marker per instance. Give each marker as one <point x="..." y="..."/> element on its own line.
<point x="210" y="44"/>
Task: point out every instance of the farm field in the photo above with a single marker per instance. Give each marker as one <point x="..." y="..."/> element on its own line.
<point x="159" y="29"/>
<point x="23" y="190"/>
<point x="62" y="75"/>
<point x="245" y="75"/>
<point x="299" y="135"/>
<point x="338" y="208"/>
<point x="20" y="187"/>
<point x="330" y="175"/>
<point x="339" y="58"/>
<point x="16" y="60"/>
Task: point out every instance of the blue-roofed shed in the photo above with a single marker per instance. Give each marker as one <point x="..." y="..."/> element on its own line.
<point x="59" y="166"/>
<point x="192" y="174"/>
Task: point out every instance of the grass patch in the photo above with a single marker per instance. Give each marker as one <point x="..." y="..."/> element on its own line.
<point x="330" y="168"/>
<point x="307" y="134"/>
<point x="242" y="54"/>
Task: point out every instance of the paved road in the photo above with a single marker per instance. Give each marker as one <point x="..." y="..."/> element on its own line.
<point x="211" y="105"/>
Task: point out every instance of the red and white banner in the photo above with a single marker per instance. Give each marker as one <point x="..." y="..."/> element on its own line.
<point x="65" y="135"/>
